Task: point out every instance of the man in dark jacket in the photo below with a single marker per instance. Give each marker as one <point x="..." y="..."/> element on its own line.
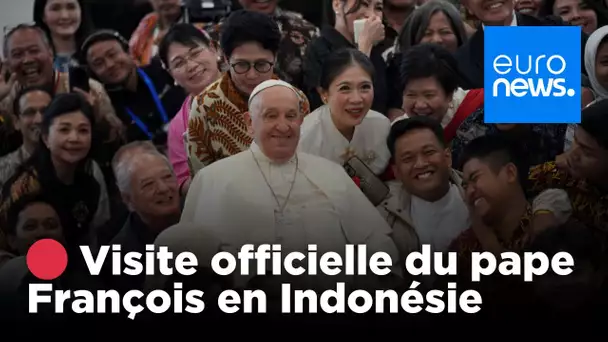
<point x="495" y="13"/>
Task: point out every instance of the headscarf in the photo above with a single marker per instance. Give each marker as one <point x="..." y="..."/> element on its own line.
<point x="593" y="43"/>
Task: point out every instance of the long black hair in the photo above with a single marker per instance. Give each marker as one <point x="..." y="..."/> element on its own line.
<point x="41" y="160"/>
<point x="81" y="34"/>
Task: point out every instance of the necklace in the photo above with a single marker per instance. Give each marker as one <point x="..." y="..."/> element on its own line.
<point x="276" y="198"/>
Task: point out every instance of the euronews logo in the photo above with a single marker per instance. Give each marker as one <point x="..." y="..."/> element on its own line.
<point x="528" y="79"/>
<point x="534" y="74"/>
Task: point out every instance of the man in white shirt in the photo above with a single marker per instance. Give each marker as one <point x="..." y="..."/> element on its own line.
<point x="425" y="204"/>
<point x="270" y="194"/>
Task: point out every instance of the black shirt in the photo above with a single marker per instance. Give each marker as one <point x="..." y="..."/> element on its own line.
<point x="142" y="104"/>
<point x="320" y="48"/>
<point x="133" y="237"/>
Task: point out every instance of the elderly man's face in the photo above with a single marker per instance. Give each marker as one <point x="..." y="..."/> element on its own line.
<point x="30" y="58"/>
<point x="274" y="121"/>
<point x="154" y="191"/>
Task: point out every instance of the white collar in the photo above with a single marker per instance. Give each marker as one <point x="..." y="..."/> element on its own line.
<point x="260" y="156"/>
<point x="513" y="21"/>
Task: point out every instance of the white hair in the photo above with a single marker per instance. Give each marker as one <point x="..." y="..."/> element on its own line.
<point x="127" y="156"/>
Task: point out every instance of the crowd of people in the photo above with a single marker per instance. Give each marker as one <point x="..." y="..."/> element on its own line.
<point x="262" y="128"/>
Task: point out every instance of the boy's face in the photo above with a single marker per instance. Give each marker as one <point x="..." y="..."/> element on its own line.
<point x="487" y="187"/>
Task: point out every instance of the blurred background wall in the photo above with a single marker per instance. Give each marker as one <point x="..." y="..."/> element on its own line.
<point x="13" y="12"/>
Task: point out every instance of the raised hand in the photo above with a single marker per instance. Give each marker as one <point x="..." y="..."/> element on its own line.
<point x="6" y="85"/>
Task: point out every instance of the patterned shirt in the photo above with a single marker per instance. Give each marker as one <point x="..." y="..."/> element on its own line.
<point x="589" y="203"/>
<point x="468" y="242"/>
<point x="216" y="127"/>
<point x="296" y="34"/>
<point x="500" y="292"/>
<point x="10" y="163"/>
<point x="543" y="143"/>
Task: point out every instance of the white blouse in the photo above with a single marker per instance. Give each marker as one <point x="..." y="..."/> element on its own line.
<point x="319" y="136"/>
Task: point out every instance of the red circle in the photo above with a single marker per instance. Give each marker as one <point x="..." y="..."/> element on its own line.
<point x="47" y="259"/>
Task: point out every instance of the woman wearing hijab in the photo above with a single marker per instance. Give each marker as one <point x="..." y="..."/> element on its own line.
<point x="596" y="65"/>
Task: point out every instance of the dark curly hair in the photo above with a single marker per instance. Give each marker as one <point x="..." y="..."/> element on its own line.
<point x="247" y="26"/>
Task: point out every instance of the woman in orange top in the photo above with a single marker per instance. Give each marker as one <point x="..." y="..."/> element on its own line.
<point x="152" y="28"/>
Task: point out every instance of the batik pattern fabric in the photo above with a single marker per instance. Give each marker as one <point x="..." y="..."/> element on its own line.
<point x="216" y="126"/>
<point x="500" y="293"/>
<point x="589" y="204"/>
<point x="544" y="144"/>
<point x="21" y="185"/>
<point x="296" y="34"/>
<point x="467" y="242"/>
<point x="10" y="163"/>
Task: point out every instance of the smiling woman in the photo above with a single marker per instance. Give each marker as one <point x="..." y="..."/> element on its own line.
<point x="67" y="24"/>
<point x="345" y="126"/>
<point x="586" y="13"/>
<point x="61" y="166"/>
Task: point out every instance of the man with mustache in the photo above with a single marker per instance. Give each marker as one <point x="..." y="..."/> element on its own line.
<point x="425" y="205"/>
<point x="28" y="108"/>
<point x="270" y="194"/>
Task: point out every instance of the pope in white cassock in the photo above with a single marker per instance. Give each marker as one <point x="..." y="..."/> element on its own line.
<point x="270" y="194"/>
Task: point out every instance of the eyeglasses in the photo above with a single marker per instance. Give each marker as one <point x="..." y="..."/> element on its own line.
<point x="180" y="63"/>
<point x="243" y="67"/>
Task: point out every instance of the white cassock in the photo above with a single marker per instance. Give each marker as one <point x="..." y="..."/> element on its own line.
<point x="320" y="137"/>
<point x="234" y="202"/>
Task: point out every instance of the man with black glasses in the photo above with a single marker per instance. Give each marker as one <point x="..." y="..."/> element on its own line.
<point x="216" y="128"/>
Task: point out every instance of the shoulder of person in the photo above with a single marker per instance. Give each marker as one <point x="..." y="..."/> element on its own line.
<point x="395" y="188"/>
<point x="225" y="165"/>
<point x="24" y="181"/>
<point x="12" y="274"/>
<point x="550" y="20"/>
<point x="377" y="118"/>
<point x="313" y="118"/>
<point x="320" y="44"/>
<point x="212" y="92"/>
<point x="298" y="20"/>
<point x="147" y="21"/>
<point x="323" y="165"/>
